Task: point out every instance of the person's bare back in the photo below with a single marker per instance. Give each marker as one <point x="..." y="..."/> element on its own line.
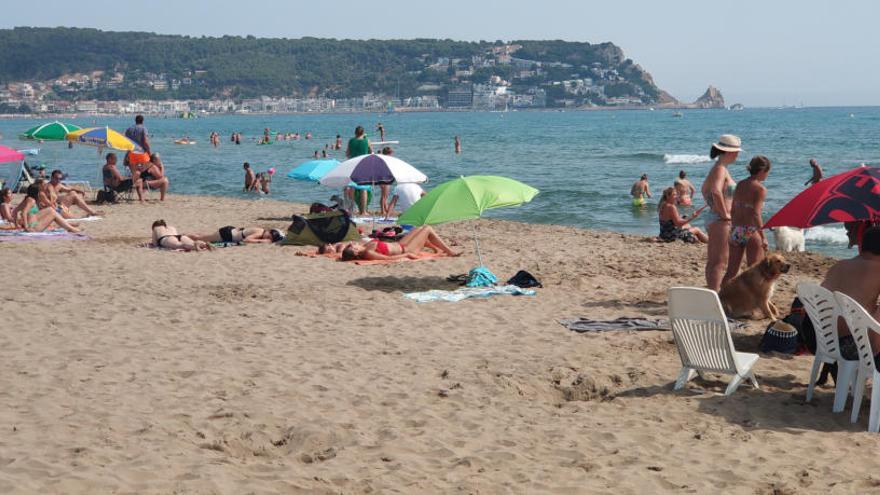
<point x="859" y="278"/>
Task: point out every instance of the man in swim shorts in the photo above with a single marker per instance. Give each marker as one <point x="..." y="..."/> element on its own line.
<point x="640" y="189"/>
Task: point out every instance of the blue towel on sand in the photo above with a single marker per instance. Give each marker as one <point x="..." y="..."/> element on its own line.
<point x="467" y="293"/>
<point x="481" y="277"/>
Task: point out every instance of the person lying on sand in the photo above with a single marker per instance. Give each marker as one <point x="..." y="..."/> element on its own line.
<point x="238" y="235"/>
<point x="166" y="237"/>
<point x="33" y="219"/>
<point x="337" y="248"/>
<point x="408" y="247"/>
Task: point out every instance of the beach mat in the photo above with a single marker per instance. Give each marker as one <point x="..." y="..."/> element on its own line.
<point x="335" y="256"/>
<point x="378" y="220"/>
<point x="467" y="293"/>
<point x="422" y="257"/>
<point x="50" y="235"/>
<point x="584" y="325"/>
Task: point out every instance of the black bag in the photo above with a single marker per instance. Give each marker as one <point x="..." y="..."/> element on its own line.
<point x="524" y="280"/>
<point x="106" y="197"/>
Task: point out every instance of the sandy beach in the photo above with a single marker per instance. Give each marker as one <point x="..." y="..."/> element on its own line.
<point x="249" y="369"/>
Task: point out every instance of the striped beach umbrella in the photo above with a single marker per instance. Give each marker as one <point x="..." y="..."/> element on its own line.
<point x="103" y="137"/>
<point x="50" y="131"/>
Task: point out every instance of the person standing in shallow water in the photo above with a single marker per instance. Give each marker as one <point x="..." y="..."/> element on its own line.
<point x="457" y="145"/>
<point x="684" y="189"/>
<point x="817" y="173"/>
<point x="639" y="190"/>
<point x="717" y="190"/>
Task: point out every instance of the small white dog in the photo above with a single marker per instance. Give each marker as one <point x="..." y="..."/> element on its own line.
<point x="789" y="239"/>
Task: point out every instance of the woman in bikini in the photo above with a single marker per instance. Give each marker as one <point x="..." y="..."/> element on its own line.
<point x="166" y="237"/>
<point x="717" y="191"/>
<point x="672" y="226"/>
<point x="6" y="207"/>
<point x="747" y="234"/>
<point x="408" y="247"/>
<point x="32" y="218"/>
<point x="239" y="235"/>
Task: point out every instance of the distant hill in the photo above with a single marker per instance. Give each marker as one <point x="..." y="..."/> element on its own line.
<point x="92" y="64"/>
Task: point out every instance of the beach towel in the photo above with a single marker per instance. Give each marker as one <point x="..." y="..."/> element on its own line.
<point x="47" y="235"/>
<point x="582" y="325"/>
<point x="421" y="257"/>
<point x="467" y="293"/>
<point x="380" y="219"/>
<point x="85" y="219"/>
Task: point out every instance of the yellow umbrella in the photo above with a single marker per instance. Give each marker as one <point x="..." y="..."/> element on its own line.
<point x="103" y="137"/>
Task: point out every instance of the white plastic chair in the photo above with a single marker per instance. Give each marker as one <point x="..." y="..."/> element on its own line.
<point x="822" y="308"/>
<point x="702" y="336"/>
<point x="860" y="322"/>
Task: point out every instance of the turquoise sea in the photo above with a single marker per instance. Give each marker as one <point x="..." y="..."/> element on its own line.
<point x="583" y="162"/>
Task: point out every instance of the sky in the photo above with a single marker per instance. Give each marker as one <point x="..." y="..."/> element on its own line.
<point x="758" y="53"/>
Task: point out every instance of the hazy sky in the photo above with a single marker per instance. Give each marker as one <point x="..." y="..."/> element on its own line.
<point x="760" y="53"/>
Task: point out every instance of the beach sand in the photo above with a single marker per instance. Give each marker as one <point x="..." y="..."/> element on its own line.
<point x="251" y="370"/>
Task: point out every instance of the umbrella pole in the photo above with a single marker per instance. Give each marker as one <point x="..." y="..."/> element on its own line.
<point x="477" y="244"/>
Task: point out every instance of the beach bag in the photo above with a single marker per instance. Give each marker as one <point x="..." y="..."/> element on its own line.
<point x="780" y="337"/>
<point x="106" y="197"/>
<point x="524" y="280"/>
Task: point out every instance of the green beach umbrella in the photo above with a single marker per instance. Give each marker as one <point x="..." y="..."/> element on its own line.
<point x="50" y="131"/>
<point x="466" y="198"/>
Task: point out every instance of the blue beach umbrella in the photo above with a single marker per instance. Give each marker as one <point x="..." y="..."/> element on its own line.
<point x="313" y="170"/>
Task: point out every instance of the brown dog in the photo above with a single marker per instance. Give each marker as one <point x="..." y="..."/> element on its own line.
<point x="752" y="289"/>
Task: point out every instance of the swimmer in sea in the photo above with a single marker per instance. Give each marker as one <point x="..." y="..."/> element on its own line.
<point x="639" y="190"/>
<point x="684" y="188"/>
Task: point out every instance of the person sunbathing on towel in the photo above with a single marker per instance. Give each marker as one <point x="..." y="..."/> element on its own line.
<point x="408" y="247"/>
<point x="238" y="235"/>
<point x="166" y="237"/>
<point x="33" y="219"/>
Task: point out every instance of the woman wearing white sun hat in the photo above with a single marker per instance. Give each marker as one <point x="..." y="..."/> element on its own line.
<point x="717" y="191"/>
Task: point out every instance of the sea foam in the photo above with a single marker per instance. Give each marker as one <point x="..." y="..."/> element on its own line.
<point x="827" y="235"/>
<point x="670" y="159"/>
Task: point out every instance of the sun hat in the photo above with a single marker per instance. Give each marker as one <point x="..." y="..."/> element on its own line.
<point x="729" y="143"/>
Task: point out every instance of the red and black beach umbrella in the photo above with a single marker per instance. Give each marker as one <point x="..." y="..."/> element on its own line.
<point x="846" y="197"/>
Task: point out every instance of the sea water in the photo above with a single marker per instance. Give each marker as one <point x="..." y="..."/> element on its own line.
<point x="584" y="163"/>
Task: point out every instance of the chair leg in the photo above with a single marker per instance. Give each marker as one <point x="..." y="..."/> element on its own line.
<point x="814" y="373"/>
<point x="874" y="415"/>
<point x="858" y="393"/>
<point x="845" y="377"/>
<point x="683" y="377"/>
<point x="754" y="380"/>
<point x="734" y="384"/>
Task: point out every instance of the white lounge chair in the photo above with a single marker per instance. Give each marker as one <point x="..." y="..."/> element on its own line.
<point x="702" y="336"/>
<point x="822" y="308"/>
<point x="860" y="322"/>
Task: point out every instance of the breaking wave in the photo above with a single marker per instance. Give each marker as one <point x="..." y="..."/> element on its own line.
<point x="670" y="159"/>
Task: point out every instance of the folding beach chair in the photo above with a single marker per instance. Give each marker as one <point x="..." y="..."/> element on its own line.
<point x="822" y="308"/>
<point x="702" y="336"/>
